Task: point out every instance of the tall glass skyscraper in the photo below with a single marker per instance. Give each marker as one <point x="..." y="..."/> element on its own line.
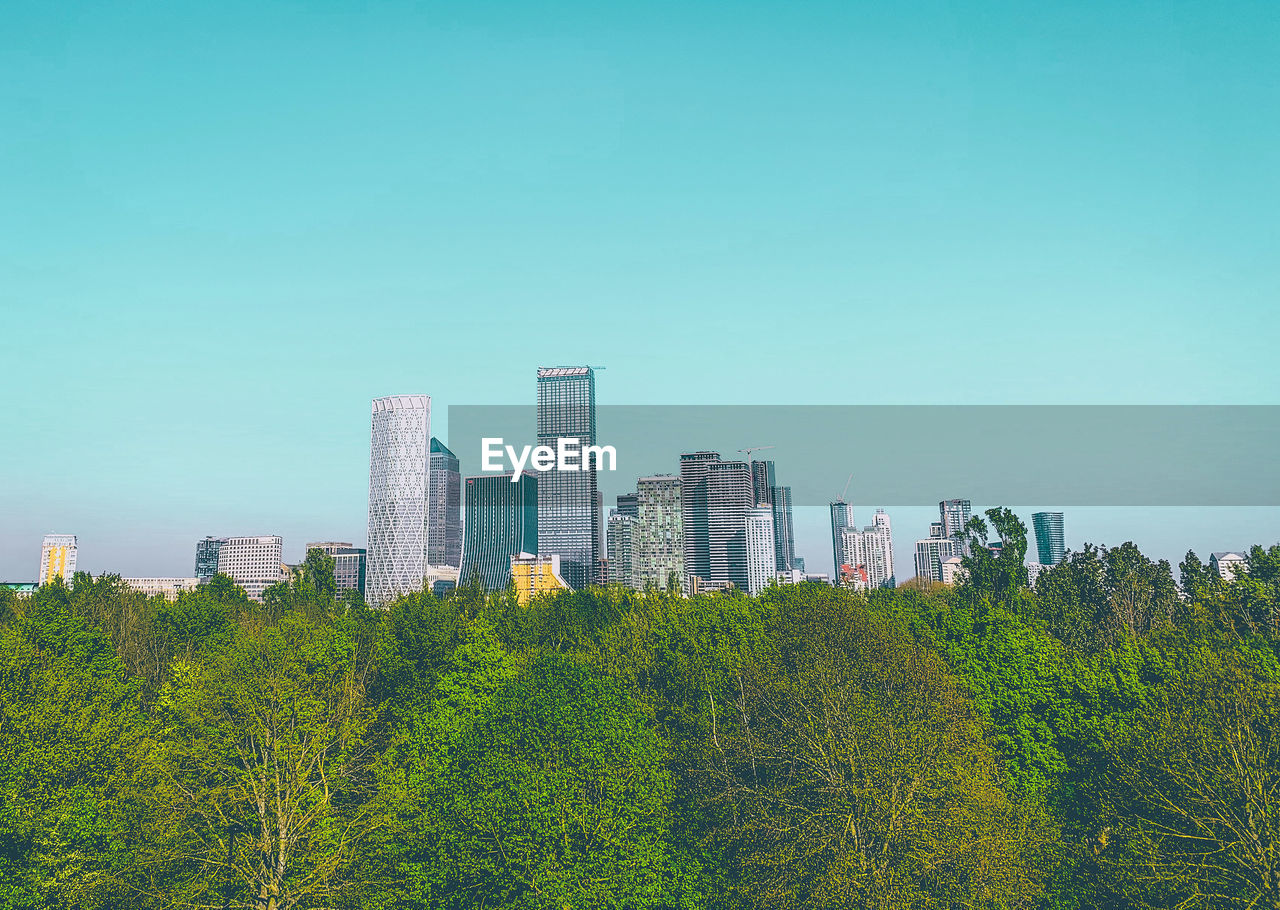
<point x="568" y="501"/>
<point x="444" y="508"/>
<point x="763" y="480"/>
<point x="784" y="535"/>
<point x="501" y="522"/>
<point x="841" y="518"/>
<point x="399" y="453"/>
<point x="1050" y="540"/>
<point x="715" y="498"/>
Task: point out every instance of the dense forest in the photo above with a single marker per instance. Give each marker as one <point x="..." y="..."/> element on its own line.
<point x="1108" y="739"/>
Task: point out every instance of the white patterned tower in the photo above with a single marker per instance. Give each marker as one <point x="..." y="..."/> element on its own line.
<point x="399" y="458"/>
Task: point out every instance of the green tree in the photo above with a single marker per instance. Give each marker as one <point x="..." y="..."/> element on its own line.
<point x="1190" y="786"/>
<point x="558" y="796"/>
<point x="264" y="754"/>
<point x="73" y="758"/>
<point x="859" y="775"/>
<point x="998" y="578"/>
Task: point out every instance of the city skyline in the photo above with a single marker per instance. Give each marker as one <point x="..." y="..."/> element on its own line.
<point x="757" y="476"/>
<point x="207" y="224"/>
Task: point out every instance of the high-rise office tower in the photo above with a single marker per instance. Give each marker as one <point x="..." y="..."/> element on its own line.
<point x="763" y="480"/>
<point x="784" y="535"/>
<point x="620" y="542"/>
<point x="629" y="504"/>
<point x="657" y="546"/>
<point x="955" y="514"/>
<point x="729" y="495"/>
<point x="207" y="557"/>
<point x="841" y="518"/>
<point x="501" y="522"/>
<point x="444" y="507"/>
<point x="399" y="454"/>
<point x="254" y="563"/>
<point x="1050" y="541"/>
<point x="58" y="558"/>
<point x="762" y="557"/>
<point x="568" y="501"/>
<point x="349" y="563"/>
<point x="715" y="498"/>
<point x="693" y="480"/>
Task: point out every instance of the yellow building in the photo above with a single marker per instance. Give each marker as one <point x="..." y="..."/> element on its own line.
<point x="536" y="575"/>
<point x="58" y="558"/>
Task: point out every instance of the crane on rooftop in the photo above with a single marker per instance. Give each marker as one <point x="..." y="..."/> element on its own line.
<point x="749" y="449"/>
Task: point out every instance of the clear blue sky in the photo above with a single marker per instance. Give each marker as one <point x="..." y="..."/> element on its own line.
<point x="224" y="227"/>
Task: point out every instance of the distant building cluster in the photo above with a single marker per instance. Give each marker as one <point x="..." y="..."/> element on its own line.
<point x="718" y="524"/>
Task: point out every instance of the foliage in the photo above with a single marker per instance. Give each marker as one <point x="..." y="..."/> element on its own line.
<point x="1104" y="740"/>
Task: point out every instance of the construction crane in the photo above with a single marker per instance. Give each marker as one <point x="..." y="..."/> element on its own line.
<point x="845" y="491"/>
<point x="749" y="449"/>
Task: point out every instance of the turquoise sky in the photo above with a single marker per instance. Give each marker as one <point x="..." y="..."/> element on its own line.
<point x="225" y="227"/>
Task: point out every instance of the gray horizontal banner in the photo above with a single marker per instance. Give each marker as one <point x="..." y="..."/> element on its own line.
<point x="904" y="455"/>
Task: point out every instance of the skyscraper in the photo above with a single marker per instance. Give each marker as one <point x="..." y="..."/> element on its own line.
<point x="1050" y="541"/>
<point x="865" y="557"/>
<point x="349" y="563"/>
<point x="841" y="518"/>
<point x="761" y="553"/>
<point x="568" y="501"/>
<point x="657" y="546"/>
<point x="207" y="557"/>
<point x="763" y="480"/>
<point x="629" y="504"/>
<point x="715" y="498"/>
<point x="954" y="515"/>
<point x="58" y="558"/>
<point x="444" y="508"/>
<point x="693" y="481"/>
<point x="880" y="521"/>
<point x="254" y="563"/>
<point x="784" y="535"/>
<point x="399" y="451"/>
<point x="729" y="495"/>
<point x="868" y="554"/>
<point x="620" y="544"/>
<point x="501" y="522"/>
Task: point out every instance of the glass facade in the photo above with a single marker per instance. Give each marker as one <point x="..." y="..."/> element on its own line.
<point x="207" y="557"/>
<point x="841" y="518"/>
<point x="784" y="535"/>
<point x="1050" y="541"/>
<point x="716" y="496"/>
<point x="400" y="432"/>
<point x="568" y="501"/>
<point x="501" y="522"/>
<point x="444" y="521"/>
